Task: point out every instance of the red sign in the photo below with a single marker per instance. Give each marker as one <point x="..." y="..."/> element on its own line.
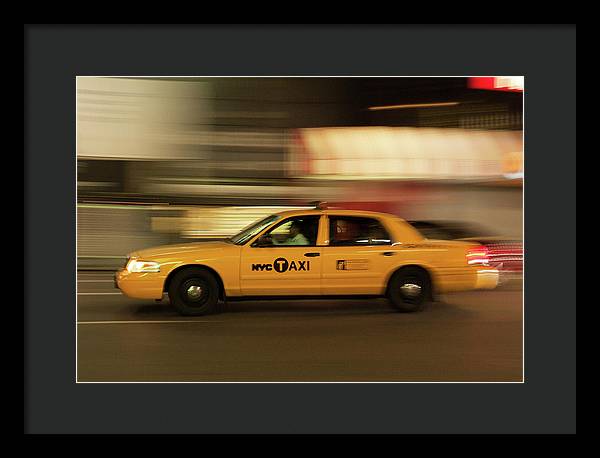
<point x="497" y="83"/>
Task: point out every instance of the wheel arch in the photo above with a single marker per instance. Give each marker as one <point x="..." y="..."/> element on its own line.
<point x="426" y="269"/>
<point x="212" y="271"/>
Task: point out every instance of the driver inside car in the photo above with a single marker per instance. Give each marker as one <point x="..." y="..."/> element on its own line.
<point x="295" y="237"/>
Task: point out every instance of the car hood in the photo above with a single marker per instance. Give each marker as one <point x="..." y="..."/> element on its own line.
<point x="180" y="249"/>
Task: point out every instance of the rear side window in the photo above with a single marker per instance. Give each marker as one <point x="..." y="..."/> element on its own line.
<point x="357" y="231"/>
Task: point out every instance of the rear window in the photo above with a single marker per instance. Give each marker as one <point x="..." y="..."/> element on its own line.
<point x="449" y="230"/>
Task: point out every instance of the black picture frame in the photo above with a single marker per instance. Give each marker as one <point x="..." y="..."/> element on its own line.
<point x="55" y="54"/>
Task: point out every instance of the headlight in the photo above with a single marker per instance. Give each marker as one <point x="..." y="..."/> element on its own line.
<point x="135" y="265"/>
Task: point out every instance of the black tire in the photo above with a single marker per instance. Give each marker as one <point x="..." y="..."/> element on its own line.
<point x="417" y="292"/>
<point x="194" y="292"/>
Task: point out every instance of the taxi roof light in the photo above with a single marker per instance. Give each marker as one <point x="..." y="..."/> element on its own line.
<point x="319" y="205"/>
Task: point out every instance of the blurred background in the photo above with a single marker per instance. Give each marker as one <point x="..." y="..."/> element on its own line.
<point x="166" y="160"/>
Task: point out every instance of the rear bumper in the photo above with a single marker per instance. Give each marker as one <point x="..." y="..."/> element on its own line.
<point x="466" y="278"/>
<point x="487" y="278"/>
<point x="510" y="277"/>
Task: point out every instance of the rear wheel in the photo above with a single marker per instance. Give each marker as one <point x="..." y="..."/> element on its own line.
<point x="409" y="289"/>
<point x="194" y="292"/>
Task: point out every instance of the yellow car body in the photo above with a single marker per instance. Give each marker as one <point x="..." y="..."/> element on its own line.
<point x="247" y="270"/>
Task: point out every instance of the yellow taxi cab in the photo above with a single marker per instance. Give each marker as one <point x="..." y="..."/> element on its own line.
<point x="309" y="253"/>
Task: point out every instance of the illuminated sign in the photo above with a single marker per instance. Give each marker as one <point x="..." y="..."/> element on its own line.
<point x="414" y="153"/>
<point x="512" y="165"/>
<point x="498" y="83"/>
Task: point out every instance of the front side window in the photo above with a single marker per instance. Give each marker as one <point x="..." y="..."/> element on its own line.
<point x="356" y="231"/>
<point x="297" y="231"/>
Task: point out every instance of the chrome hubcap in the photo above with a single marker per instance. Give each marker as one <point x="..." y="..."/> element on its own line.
<point x="194" y="292"/>
<point x="410" y="290"/>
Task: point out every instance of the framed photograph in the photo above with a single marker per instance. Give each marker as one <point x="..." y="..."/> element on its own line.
<point x="278" y="232"/>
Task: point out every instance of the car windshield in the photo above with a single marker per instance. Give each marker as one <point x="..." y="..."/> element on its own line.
<point x="250" y="231"/>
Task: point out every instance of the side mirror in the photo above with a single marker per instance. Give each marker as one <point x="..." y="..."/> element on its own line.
<point x="263" y="241"/>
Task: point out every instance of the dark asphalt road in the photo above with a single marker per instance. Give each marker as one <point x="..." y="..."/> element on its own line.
<point x="475" y="336"/>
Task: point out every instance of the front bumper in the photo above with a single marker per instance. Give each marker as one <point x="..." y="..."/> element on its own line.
<point x="139" y="285"/>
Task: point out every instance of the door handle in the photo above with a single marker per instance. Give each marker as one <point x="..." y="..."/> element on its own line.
<point x="388" y="253"/>
<point x="311" y="255"/>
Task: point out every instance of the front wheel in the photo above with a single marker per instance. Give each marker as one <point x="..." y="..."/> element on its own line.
<point x="194" y="292"/>
<point x="409" y="289"/>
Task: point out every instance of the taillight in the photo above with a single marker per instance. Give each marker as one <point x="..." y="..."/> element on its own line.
<point x="478" y="256"/>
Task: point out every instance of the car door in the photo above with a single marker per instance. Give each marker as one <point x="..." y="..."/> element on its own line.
<point x="277" y="269"/>
<point x="358" y="256"/>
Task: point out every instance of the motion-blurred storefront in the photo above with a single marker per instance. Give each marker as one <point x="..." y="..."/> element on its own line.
<point x="199" y="158"/>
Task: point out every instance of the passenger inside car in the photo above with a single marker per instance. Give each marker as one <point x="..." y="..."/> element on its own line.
<point x="346" y="232"/>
